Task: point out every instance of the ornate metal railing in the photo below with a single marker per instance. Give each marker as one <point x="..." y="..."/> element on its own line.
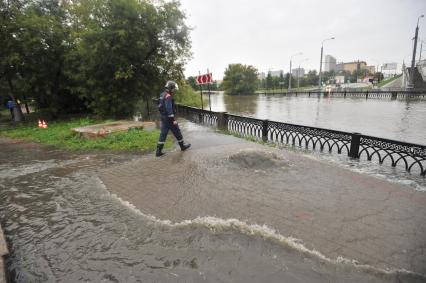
<point x="387" y="94"/>
<point x="411" y="157"/>
<point x="245" y="126"/>
<point x="394" y="152"/>
<point x="308" y="137"/>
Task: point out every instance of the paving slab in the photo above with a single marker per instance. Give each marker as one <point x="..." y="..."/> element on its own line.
<point x="331" y="209"/>
<point x="3" y="246"/>
<point x="3" y="253"/>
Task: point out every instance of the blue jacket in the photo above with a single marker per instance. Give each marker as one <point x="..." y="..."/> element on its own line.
<point x="11" y="104"/>
<point x="166" y="105"/>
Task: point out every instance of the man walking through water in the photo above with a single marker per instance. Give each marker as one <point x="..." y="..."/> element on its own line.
<point x="168" y="121"/>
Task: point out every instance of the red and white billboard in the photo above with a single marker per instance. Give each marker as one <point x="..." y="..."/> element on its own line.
<point x="204" y="79"/>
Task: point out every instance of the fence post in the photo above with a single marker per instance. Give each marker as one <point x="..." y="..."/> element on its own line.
<point x="222" y="120"/>
<point x="394" y="95"/>
<point x="355" y="142"/>
<point x="265" y="130"/>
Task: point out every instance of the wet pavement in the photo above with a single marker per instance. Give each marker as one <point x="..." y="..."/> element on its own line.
<point x="227" y="210"/>
<point x="335" y="211"/>
<point x="3" y="253"/>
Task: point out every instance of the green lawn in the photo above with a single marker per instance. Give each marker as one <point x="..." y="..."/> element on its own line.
<point x="59" y="134"/>
<point x="384" y="82"/>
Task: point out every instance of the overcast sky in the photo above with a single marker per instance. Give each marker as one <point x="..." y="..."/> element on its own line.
<point x="265" y="33"/>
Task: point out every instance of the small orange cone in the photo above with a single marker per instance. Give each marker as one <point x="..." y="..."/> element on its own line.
<point x="44" y="124"/>
<point x="40" y="125"/>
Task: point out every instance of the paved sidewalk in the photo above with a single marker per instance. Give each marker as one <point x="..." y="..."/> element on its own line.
<point x="331" y="209"/>
<point x="3" y="253"/>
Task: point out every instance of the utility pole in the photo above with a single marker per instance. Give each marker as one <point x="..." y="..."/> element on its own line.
<point x="413" y="61"/>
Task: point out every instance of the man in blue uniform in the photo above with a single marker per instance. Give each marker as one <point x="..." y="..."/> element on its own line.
<point x="11" y="105"/>
<point x="168" y="121"/>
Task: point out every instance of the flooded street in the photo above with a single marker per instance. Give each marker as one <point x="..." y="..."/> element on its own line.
<point x="401" y="120"/>
<point x="64" y="225"/>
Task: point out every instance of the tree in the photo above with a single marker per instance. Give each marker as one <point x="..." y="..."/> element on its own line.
<point x="240" y="79"/>
<point x="191" y="81"/>
<point x="312" y="78"/>
<point x="99" y="55"/>
<point x="9" y="57"/>
<point x="378" y="76"/>
<point x="129" y="49"/>
<point x="269" y="81"/>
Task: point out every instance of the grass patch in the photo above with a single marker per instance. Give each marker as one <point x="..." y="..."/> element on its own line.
<point x="384" y="82"/>
<point x="59" y="134"/>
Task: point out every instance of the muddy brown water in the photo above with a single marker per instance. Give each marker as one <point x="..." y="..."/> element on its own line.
<point x="393" y="119"/>
<point x="62" y="225"/>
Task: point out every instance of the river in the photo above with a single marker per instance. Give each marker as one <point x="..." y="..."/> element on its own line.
<point x="402" y="120"/>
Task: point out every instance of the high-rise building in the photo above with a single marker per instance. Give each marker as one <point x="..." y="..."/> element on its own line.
<point x="329" y="63"/>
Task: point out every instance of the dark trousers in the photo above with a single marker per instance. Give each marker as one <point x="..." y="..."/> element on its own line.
<point x="165" y="126"/>
<point x="12" y="114"/>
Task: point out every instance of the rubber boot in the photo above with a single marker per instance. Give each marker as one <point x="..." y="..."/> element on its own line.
<point x="159" y="150"/>
<point x="184" y="146"/>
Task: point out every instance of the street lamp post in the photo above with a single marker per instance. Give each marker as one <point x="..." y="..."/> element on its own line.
<point x="411" y="84"/>
<point x="298" y="72"/>
<point x="289" y="79"/>
<point x="320" y="70"/>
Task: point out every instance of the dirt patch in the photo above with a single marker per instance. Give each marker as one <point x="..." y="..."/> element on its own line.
<point x="102" y="130"/>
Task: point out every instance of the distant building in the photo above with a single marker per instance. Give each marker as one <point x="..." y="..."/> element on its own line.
<point x="390" y="69"/>
<point x="298" y="72"/>
<point x="276" y="73"/>
<point x="352" y="66"/>
<point x="339" y="79"/>
<point x="261" y="76"/>
<point x="329" y="63"/>
<point x="371" y="69"/>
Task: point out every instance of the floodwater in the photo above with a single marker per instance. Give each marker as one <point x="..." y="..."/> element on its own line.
<point x="64" y="226"/>
<point x="402" y="120"/>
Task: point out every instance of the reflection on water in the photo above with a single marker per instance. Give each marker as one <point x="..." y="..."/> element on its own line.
<point x="394" y="119"/>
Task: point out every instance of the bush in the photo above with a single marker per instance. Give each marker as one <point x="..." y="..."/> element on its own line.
<point x="187" y="96"/>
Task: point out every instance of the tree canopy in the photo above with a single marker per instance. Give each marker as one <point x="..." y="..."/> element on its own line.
<point x="96" y="55"/>
<point x="240" y="79"/>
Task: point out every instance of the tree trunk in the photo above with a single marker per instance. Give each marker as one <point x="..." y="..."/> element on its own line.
<point x="26" y="104"/>
<point x="17" y="112"/>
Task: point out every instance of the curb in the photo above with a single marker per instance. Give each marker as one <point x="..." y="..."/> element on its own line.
<point x="4" y="252"/>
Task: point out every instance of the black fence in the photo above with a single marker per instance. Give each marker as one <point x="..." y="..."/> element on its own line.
<point x="412" y="157"/>
<point x="388" y="94"/>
